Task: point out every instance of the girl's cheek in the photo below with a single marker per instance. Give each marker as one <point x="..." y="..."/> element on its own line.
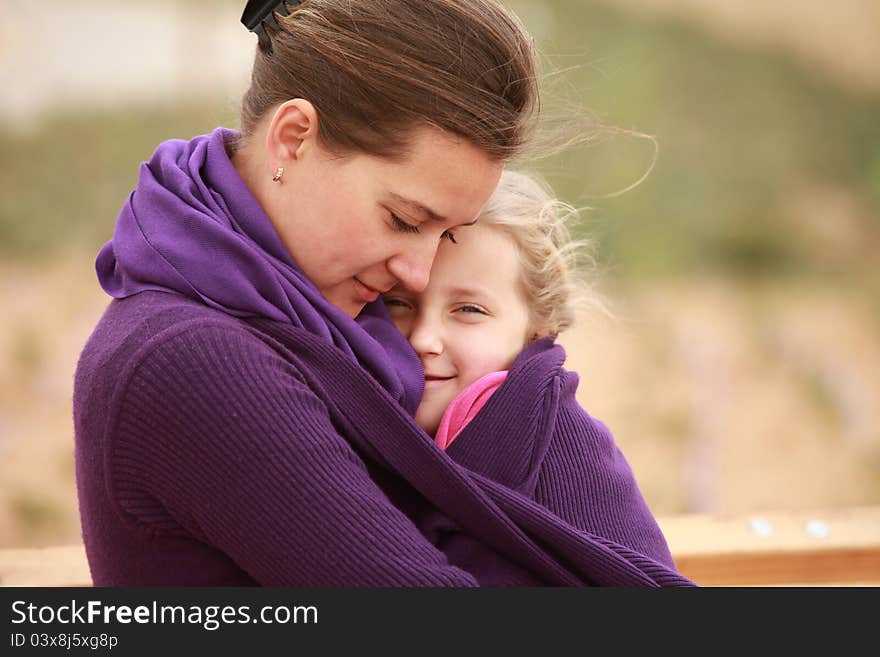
<point x="488" y="354"/>
<point x="474" y="339"/>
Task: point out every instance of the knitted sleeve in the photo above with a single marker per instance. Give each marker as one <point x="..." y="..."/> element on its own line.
<point x="214" y="436"/>
<point x="534" y="437"/>
<point x="586" y="480"/>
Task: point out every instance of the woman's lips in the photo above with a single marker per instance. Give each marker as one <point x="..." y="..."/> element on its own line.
<point x="366" y="294"/>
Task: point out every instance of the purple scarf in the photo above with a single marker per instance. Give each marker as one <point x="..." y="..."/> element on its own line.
<point x="480" y="502"/>
<point x="191" y="226"/>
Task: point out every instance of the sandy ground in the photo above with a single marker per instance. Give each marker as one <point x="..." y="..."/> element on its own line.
<point x="728" y="399"/>
<point x="724" y="398"/>
<point x="49" y="311"/>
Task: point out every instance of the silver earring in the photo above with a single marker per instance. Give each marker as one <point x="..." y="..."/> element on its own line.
<point x="278" y="173"/>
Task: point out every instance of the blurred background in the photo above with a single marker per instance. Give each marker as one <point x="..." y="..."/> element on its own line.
<point x="741" y="369"/>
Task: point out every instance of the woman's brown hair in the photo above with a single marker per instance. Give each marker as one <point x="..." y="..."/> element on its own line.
<point x="376" y="69"/>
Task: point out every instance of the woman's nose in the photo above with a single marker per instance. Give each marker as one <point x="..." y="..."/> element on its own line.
<point x="413" y="269"/>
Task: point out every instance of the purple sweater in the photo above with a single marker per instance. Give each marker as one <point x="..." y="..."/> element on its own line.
<point x="204" y="458"/>
<point x="232" y="427"/>
<point x="210" y="450"/>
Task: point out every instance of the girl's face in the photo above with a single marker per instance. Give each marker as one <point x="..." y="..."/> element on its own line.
<point x="359" y="225"/>
<point x="470" y="320"/>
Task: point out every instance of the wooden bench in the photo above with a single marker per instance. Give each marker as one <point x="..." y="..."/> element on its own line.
<point x="790" y="548"/>
<point x="50" y="566"/>
<point x="787" y="548"/>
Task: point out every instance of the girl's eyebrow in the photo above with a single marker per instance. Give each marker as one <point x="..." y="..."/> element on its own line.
<point x="461" y="291"/>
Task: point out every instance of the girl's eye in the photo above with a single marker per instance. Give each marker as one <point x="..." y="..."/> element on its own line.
<point x="471" y="309"/>
<point x="447" y="235"/>
<point x="402" y="226"/>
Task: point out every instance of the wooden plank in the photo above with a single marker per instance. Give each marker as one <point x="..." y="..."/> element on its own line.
<point x="786" y="548"/>
<point x="794" y="548"/>
<point x="51" y="566"/>
<point x="808" y="568"/>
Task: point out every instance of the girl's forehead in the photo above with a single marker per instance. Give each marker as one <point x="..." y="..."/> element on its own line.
<point x="481" y="247"/>
<point x="483" y="261"/>
<point x="483" y="264"/>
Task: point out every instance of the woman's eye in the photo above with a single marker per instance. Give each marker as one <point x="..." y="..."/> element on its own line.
<point x="401" y="225"/>
<point x="447" y="235"/>
<point x="396" y="303"/>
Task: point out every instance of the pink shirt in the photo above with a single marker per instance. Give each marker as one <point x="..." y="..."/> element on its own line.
<point x="465" y="406"/>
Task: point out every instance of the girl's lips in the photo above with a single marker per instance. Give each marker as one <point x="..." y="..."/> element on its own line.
<point x="433" y="381"/>
<point x="365" y="293"/>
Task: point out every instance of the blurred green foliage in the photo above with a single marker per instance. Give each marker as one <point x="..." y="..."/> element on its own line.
<point x="739" y="131"/>
<point x="63" y="184"/>
<point x="34" y="514"/>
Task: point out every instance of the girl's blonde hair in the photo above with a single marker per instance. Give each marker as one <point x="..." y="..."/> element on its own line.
<point x="555" y="267"/>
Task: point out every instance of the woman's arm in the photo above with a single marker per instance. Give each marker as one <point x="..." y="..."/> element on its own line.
<point x="221" y="432"/>
<point x="536" y="439"/>
<point x="586" y="480"/>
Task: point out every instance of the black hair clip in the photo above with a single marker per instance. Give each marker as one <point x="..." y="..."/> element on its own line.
<point x="259" y="14"/>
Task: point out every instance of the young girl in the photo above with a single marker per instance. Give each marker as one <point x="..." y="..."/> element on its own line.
<point x="483" y="329"/>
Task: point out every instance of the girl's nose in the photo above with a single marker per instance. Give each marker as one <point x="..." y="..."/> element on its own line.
<point x="426" y="337"/>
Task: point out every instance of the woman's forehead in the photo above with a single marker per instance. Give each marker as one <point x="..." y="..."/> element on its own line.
<point x="446" y="175"/>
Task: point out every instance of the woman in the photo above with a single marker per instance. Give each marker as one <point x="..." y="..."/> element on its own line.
<point x="235" y="424"/>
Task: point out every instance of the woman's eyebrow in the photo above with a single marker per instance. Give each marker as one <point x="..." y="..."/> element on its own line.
<point x="418" y="208"/>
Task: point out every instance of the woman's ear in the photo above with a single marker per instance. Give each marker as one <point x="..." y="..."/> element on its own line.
<point x="293" y="131"/>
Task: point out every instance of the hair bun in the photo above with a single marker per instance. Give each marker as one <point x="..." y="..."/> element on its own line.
<point x="260" y="14"/>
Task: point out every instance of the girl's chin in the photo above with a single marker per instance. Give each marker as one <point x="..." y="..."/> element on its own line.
<point x="429" y="425"/>
<point x="438" y="394"/>
<point x="429" y="415"/>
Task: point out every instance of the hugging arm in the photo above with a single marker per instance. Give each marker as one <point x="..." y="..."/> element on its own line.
<point x="553" y="452"/>
<point x="586" y="480"/>
<point x="219" y="432"/>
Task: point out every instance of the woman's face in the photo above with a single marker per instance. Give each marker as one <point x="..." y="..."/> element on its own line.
<point x="359" y="225"/>
<point x="472" y="318"/>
